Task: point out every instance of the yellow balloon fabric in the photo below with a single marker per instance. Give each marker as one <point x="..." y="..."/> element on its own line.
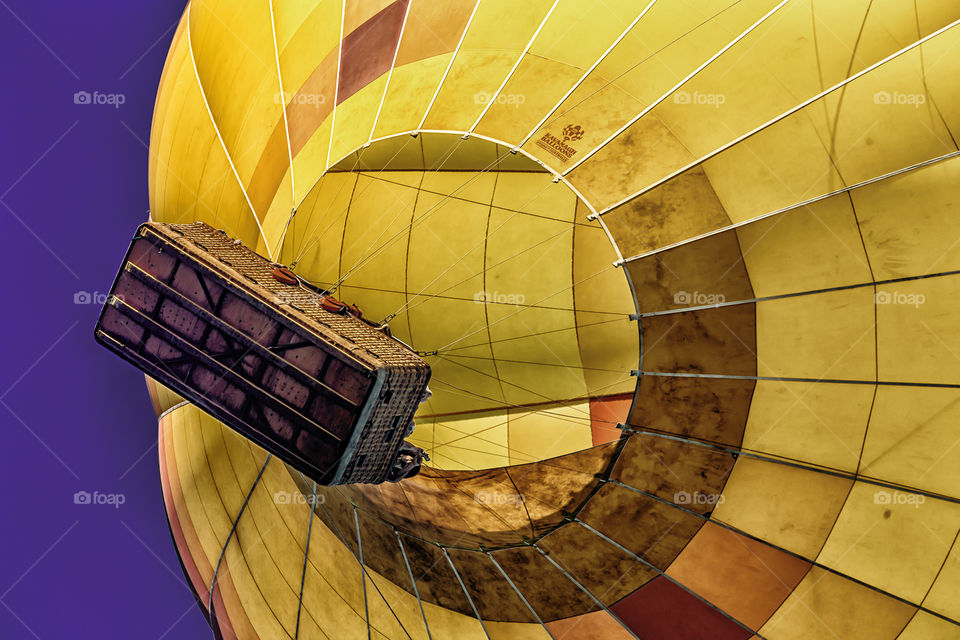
<point x="686" y="273"/>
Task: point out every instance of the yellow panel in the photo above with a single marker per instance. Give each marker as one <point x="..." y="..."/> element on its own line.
<point x="918" y="339"/>
<point x="825" y="335"/>
<point x="458" y="385"/>
<point x="814" y="247"/>
<point x="893" y="540"/>
<point x="924" y="626"/>
<point x="815" y="422"/>
<point x="457" y="449"/>
<point x="446" y="249"/>
<point x="375" y="240"/>
<point x="669" y="42"/>
<point x="471" y="186"/>
<point x="927" y="198"/>
<point x="311" y="160"/>
<point x="912" y="439"/>
<point x="491" y="47"/>
<point x="355" y="118"/>
<point x="316" y="231"/>
<point x="803" y="49"/>
<point x="785" y="506"/>
<point x="755" y="176"/>
<point x="557" y="60"/>
<point x="609" y="341"/>
<point x="548" y="433"/>
<point x="879" y="135"/>
<point x="408" y="96"/>
<point x="943" y="595"/>
<point x="536" y="194"/>
<point x="191" y="179"/>
<point x="825" y="605"/>
<point x="234" y="52"/>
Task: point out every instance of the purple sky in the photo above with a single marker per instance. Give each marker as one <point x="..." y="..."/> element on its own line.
<point x="73" y="187"/>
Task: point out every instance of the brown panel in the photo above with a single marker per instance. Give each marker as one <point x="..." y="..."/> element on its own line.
<point x="435" y="579"/>
<point x="547" y="590"/>
<point x="707" y="271"/>
<point x="311" y="104"/>
<point x="655" y="531"/>
<point x="682" y="208"/>
<point x="493" y="596"/>
<point x="714" y="341"/>
<point x="368" y="50"/>
<point x="454" y="517"/>
<point x="273" y="163"/>
<point x="661" y="610"/>
<point x="746" y="578"/>
<point x="589" y="626"/>
<point x="685" y="474"/>
<point x="711" y="409"/>
<point x="603" y="569"/>
<point x="381" y="551"/>
<point x="551" y="486"/>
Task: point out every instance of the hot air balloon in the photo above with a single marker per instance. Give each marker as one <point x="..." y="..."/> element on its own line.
<point x="685" y="273"/>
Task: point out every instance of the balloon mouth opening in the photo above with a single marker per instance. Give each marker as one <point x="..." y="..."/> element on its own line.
<point x="484" y="262"/>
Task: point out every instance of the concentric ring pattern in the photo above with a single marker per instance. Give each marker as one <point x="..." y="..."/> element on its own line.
<point x="686" y="272"/>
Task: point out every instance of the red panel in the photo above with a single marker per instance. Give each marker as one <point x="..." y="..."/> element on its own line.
<point x="660" y="610"/>
<point x="368" y="50"/>
<point x="605" y="414"/>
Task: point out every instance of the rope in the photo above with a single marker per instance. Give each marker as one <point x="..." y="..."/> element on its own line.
<point x="306" y="555"/>
<point x="363" y="570"/>
<point x="507" y="317"/>
<point x="233" y="529"/>
<point x="417" y="220"/>
<point x="473" y="248"/>
<point x="362" y="567"/>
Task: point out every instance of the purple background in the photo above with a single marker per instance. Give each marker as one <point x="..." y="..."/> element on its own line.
<point x="73" y="187"/>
